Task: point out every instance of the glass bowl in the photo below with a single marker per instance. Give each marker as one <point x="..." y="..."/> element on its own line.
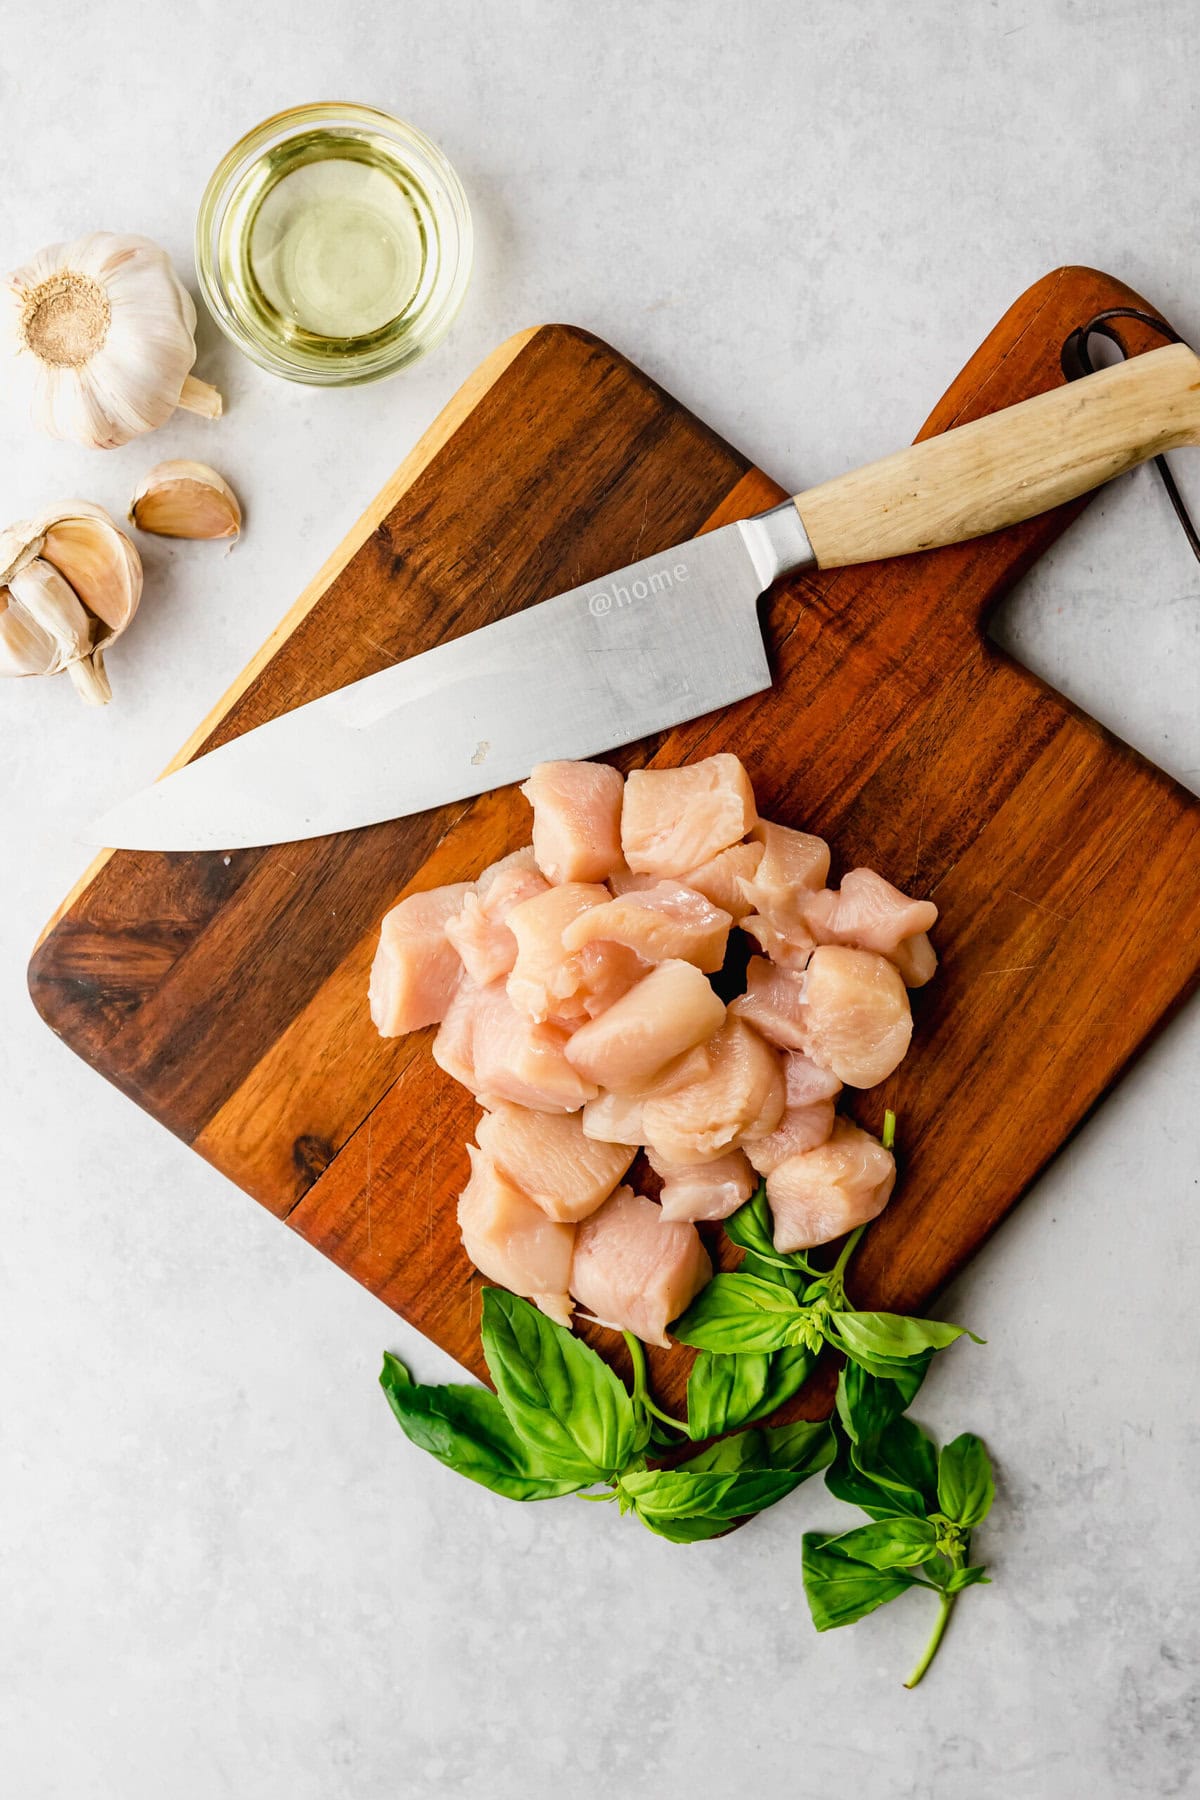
<point x="333" y="244"/>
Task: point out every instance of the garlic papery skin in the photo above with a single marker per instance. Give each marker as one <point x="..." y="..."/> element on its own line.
<point x="100" y="332"/>
<point x="186" y="500"/>
<point x="70" y="582"/>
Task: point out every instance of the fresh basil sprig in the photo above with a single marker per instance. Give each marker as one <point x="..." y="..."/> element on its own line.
<point x="755" y="1312"/>
<point x="923" y="1506"/>
<point x="561" y="1422"/>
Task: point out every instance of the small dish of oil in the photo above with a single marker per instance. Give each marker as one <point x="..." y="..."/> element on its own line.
<point x="333" y="244"/>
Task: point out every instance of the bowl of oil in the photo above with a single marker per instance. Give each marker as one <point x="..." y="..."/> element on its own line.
<point x="333" y="244"/>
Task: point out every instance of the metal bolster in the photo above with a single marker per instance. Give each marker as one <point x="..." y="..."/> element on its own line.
<point x="777" y="542"/>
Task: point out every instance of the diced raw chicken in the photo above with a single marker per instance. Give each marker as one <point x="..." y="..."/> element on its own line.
<point x="806" y="1081"/>
<point x="624" y="881"/>
<point x="548" y="1157"/>
<point x="510" y="1240"/>
<point x="818" y="1195"/>
<point x="606" y="974"/>
<point x="635" y="1270"/>
<point x="703" y="1190"/>
<point x="856" y="1016"/>
<point x="500" y="1053"/>
<point x="788" y="949"/>
<point x="794" y="866"/>
<point x="617" y="1118"/>
<point x="720" y="879"/>
<point x="668" y="1011"/>
<point x="916" y="959"/>
<point x="416" y="969"/>
<point x="868" y="913"/>
<point x="673" y="820"/>
<point x="740" y="1095"/>
<point x="454" y="1044"/>
<point x="773" y="1003"/>
<point x="800" y="1128"/>
<point x="576" y="819"/>
<point x="658" y="923"/>
<point x="479" y="932"/>
<point x="545" y="979"/>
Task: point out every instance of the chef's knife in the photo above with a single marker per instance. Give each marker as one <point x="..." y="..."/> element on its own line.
<point x="666" y="639"/>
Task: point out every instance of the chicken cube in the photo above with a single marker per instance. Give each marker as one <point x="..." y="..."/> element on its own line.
<point x="548" y="1157"/>
<point x="511" y="1241"/>
<point x="634" y="1270"/>
<point x="673" y="820"/>
<point x="416" y="969"/>
<point x="576" y="819"/>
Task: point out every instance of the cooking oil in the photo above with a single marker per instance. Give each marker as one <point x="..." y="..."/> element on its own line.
<point x="327" y="244"/>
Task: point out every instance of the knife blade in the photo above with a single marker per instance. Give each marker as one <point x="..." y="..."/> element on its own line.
<point x="669" y="638"/>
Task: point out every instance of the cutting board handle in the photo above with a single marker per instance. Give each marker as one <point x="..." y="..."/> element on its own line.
<point x="1010" y="466"/>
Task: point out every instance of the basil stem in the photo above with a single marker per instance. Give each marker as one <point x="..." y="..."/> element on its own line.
<point x="641" y="1393"/>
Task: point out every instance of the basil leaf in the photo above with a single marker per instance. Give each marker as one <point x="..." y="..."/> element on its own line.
<point x="901" y="1543"/>
<point x="795" y="1280"/>
<point x="839" y="1591"/>
<point x="848" y="1482"/>
<point x="969" y="1577"/>
<point x="687" y="1531"/>
<point x="739" y="1312"/>
<point x="965" y="1488"/>
<point x="867" y="1403"/>
<point x="725" y="1391"/>
<point x="562" y="1398"/>
<point x="752" y="1228"/>
<point x="902" y="1460"/>
<point x="467" y="1429"/>
<point x="803" y="1448"/>
<point x="876" y="1334"/>
<point x="683" y="1493"/>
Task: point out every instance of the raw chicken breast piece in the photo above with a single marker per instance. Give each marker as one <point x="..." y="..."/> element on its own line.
<point x="793" y="867"/>
<point x="548" y="1157"/>
<point x="916" y="959"/>
<point x="856" y="1016"/>
<point x="515" y="1058"/>
<point x="739" y="1095"/>
<point x="624" y="881"/>
<point x="634" y="1270"/>
<point x="658" y="923"/>
<point x="773" y="1003"/>
<point x="668" y="1011"/>
<point x="822" y="1193"/>
<point x="806" y="1081"/>
<point x="416" y="969"/>
<point x="787" y="949"/>
<point x="576" y="819"/>
<point x="617" y="1118"/>
<point x="480" y="931"/>
<point x="453" y="1047"/>
<point x="703" y="1190"/>
<point x="510" y="1240"/>
<point x="606" y="974"/>
<point x="801" y="1128"/>
<point x="868" y="913"/>
<point x="720" y="879"/>
<point x="673" y="820"/>
<point x="545" y="979"/>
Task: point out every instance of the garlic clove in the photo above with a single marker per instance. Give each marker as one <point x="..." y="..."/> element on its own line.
<point x="70" y="581"/>
<point x="186" y="500"/>
<point x="101" y="333"/>
<point x="98" y="561"/>
<point x="50" y="604"/>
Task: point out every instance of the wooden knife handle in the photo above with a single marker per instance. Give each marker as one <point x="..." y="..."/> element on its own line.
<point x="1009" y="466"/>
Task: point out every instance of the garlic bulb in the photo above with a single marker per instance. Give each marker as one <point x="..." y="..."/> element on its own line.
<point x="186" y="500"/>
<point x="70" y="582"/>
<point x="100" y="332"/>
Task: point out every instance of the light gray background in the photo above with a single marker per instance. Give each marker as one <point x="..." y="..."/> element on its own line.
<point x="225" y="1572"/>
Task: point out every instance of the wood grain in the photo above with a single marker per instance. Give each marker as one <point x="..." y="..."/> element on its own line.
<point x="228" y="998"/>
<point x="996" y="471"/>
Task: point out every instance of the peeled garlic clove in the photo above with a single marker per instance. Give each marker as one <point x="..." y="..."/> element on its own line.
<point x="186" y="500"/>
<point x="101" y="333"/>
<point x="71" y="582"/>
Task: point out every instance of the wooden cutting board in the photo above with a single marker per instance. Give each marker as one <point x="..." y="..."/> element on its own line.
<point x="226" y="994"/>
